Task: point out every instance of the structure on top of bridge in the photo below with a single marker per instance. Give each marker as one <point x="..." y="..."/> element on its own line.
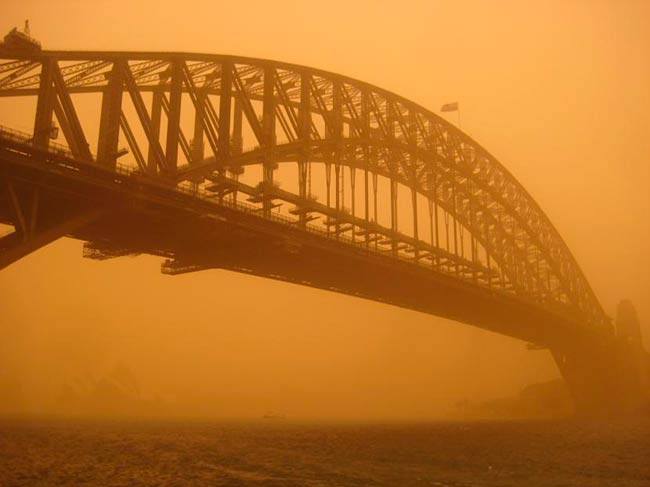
<point x="297" y="174"/>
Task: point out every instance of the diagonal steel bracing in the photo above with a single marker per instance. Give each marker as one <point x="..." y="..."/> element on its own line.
<point x="386" y="162"/>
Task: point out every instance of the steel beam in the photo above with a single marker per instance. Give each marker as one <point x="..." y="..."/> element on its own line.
<point x="68" y="118"/>
<point x="225" y="99"/>
<point x="268" y="130"/>
<point x="174" y="117"/>
<point x="156" y="117"/>
<point x="44" y="106"/>
<point x="143" y="116"/>
<point x="109" y="122"/>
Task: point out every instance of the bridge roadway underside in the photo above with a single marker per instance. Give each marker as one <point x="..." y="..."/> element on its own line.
<point x="131" y="216"/>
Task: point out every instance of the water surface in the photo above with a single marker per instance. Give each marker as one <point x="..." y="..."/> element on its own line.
<point x="277" y="453"/>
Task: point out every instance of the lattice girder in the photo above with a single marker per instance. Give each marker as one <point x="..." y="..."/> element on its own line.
<point x="311" y="116"/>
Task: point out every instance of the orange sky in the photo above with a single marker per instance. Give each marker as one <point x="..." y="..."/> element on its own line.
<point x="558" y="91"/>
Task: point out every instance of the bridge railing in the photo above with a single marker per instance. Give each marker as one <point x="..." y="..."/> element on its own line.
<point x="23" y="137"/>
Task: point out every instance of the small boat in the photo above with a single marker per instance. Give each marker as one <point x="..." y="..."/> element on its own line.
<point x="273" y="416"/>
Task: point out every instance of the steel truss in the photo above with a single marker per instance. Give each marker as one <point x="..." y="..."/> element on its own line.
<point x="365" y="144"/>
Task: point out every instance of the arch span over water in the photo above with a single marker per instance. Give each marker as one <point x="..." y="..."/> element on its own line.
<point x="371" y="167"/>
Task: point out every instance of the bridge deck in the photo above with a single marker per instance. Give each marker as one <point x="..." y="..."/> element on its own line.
<point x="197" y="229"/>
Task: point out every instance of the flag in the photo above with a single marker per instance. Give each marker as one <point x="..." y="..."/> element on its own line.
<point x="449" y="107"/>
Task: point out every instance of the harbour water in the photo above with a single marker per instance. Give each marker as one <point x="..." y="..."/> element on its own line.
<point x="280" y="453"/>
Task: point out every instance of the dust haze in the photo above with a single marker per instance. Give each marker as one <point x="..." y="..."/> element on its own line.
<point x="558" y="91"/>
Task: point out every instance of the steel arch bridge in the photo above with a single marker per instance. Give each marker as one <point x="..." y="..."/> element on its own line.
<point x="287" y="172"/>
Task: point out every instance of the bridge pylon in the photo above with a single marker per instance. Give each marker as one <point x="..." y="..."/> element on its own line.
<point x="608" y="377"/>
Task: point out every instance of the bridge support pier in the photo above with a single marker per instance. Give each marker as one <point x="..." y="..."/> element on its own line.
<point x="609" y="377"/>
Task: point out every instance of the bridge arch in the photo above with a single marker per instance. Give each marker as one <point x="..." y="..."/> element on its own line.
<point x="253" y="112"/>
